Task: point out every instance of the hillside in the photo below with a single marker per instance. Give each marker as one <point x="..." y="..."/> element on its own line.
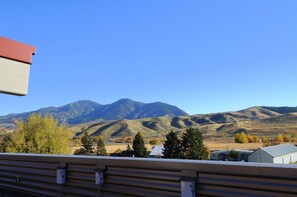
<point x="256" y="120"/>
<point x="281" y="110"/>
<point x="127" y="117"/>
<point x="88" y="111"/>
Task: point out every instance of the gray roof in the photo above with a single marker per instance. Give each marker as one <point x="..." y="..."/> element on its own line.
<point x="237" y="150"/>
<point x="279" y="150"/>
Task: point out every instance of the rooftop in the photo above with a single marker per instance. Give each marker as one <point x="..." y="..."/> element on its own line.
<point x="237" y="150"/>
<point x="15" y="50"/>
<point x="279" y="150"/>
<point x="157" y="151"/>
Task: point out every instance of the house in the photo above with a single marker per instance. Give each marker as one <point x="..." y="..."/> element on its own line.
<point x="231" y="155"/>
<point x="156" y="152"/>
<point x="15" y="61"/>
<point x="282" y="153"/>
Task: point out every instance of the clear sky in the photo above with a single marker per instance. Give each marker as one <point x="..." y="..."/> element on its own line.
<point x="202" y="56"/>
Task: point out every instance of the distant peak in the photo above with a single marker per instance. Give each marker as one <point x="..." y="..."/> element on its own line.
<point x="124" y="100"/>
<point x="84" y="101"/>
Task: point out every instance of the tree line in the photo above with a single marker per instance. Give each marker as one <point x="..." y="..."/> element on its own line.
<point x="43" y="135"/>
<point x="190" y="146"/>
<point x="248" y="138"/>
<point x="88" y="146"/>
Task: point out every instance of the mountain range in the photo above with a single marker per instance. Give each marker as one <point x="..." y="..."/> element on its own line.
<point x="127" y="117"/>
<point x="88" y="111"/>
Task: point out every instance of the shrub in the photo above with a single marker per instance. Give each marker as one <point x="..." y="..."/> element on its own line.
<point x="154" y="142"/>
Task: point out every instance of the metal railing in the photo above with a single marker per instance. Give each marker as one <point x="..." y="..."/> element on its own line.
<point x="65" y="175"/>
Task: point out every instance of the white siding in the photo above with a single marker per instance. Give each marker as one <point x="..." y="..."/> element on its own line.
<point x="14" y="76"/>
<point x="285" y="159"/>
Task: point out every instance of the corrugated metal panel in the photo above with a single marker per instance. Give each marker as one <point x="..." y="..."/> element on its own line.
<point x="36" y="175"/>
<point x="280" y="150"/>
<point x="152" y="182"/>
<point x="36" y="178"/>
<point x="221" y="185"/>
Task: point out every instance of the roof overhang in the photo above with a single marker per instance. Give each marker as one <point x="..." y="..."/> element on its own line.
<point x="15" y="61"/>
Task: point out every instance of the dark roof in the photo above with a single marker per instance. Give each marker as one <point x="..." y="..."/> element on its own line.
<point x="279" y="150"/>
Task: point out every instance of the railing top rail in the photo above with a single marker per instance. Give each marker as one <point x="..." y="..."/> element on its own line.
<point x="56" y="157"/>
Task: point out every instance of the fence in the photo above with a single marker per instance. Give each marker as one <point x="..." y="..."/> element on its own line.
<point x="61" y="175"/>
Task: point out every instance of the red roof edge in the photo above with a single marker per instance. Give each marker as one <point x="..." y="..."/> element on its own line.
<point x="15" y="50"/>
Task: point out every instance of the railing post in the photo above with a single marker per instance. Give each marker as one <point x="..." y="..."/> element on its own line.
<point x="61" y="177"/>
<point x="187" y="182"/>
<point x="99" y="178"/>
<point x="61" y="174"/>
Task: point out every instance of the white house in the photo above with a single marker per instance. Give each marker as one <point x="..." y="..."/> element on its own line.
<point x="157" y="152"/>
<point x="283" y="153"/>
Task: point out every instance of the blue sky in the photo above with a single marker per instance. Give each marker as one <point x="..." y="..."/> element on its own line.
<point x="202" y="56"/>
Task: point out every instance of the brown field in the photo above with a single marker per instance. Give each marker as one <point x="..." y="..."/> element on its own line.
<point x="110" y="148"/>
<point x="229" y="146"/>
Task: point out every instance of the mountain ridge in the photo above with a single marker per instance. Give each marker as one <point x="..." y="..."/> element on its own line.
<point x="84" y="111"/>
<point x="126" y="117"/>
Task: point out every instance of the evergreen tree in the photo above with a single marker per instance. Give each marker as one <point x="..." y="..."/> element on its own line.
<point x="100" y="148"/>
<point x="87" y="143"/>
<point x="192" y="145"/>
<point x="129" y="151"/>
<point x="129" y="148"/>
<point x="139" y="149"/>
<point x="171" y="146"/>
<point x="125" y="153"/>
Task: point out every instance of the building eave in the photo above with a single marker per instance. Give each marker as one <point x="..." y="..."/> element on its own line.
<point x="15" y="50"/>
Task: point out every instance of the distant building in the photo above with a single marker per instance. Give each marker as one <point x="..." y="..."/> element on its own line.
<point x="283" y="153"/>
<point x="156" y="152"/>
<point x="231" y="155"/>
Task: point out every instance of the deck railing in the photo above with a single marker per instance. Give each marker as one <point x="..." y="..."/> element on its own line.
<point x="65" y="175"/>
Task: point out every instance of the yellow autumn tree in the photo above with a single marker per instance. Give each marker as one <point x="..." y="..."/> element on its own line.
<point x="287" y="138"/>
<point x="250" y="138"/>
<point x="241" y="138"/>
<point x="40" y="135"/>
<point x="280" y="138"/>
